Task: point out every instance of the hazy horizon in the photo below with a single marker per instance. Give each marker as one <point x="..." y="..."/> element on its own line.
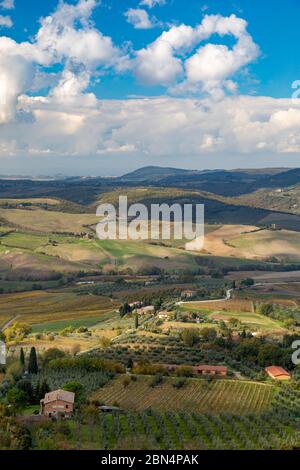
<point x="54" y="175"/>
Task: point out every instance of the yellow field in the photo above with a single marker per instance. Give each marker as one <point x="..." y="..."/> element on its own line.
<point x="36" y="263"/>
<point x="64" y="343"/>
<point x="4" y="318"/>
<point x="247" y="242"/>
<point x="239" y="305"/>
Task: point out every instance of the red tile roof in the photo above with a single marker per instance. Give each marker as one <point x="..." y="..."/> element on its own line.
<point x="62" y="395"/>
<point x="276" y="371"/>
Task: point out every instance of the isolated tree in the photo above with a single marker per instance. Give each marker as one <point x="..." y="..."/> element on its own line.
<point x="208" y="334"/>
<point x="125" y="309"/>
<point x="17" y="399"/>
<point x="266" y="309"/>
<point x="33" y="364"/>
<point x="190" y="337"/>
<point x="53" y="354"/>
<point x="136" y="321"/>
<point x="130" y="363"/>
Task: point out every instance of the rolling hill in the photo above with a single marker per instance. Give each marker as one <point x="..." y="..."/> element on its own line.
<point x="218" y="209"/>
<point x="280" y="199"/>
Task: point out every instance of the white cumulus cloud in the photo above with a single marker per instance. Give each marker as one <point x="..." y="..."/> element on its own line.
<point x="152" y="3"/>
<point x="7" y="4"/>
<point x="66" y="37"/>
<point x="210" y="68"/>
<point x="6" y="22"/>
<point x="139" y="18"/>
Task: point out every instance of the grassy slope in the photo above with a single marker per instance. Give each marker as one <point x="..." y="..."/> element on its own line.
<point x="246" y="242"/>
<point x="27" y="250"/>
<point x="48" y="221"/>
<point x="225" y="310"/>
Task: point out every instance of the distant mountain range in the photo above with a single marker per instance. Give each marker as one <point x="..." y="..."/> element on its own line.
<point x="259" y="197"/>
<point x="223" y="182"/>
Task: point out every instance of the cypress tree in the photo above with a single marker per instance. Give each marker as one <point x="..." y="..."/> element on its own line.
<point x="44" y="388"/>
<point x="22" y="358"/>
<point x="33" y="365"/>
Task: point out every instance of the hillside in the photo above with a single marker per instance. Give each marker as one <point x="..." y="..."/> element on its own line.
<point x="85" y="190"/>
<point x="250" y="243"/>
<point x="218" y="209"/>
<point x="154" y="174"/>
<point x="222" y="182"/>
<point x="280" y="199"/>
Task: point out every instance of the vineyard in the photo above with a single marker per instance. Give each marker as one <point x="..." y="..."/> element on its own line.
<point x="154" y="430"/>
<point x="41" y="307"/>
<point x="200" y="396"/>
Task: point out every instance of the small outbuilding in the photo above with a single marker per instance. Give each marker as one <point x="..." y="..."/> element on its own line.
<point x="211" y="370"/>
<point x="149" y="310"/>
<point x="188" y="294"/>
<point x="278" y="373"/>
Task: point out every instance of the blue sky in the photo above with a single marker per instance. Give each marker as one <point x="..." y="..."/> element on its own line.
<point x="274" y="28"/>
<point x="94" y="68"/>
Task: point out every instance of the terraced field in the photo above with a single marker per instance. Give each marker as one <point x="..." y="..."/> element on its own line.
<point x="197" y="396"/>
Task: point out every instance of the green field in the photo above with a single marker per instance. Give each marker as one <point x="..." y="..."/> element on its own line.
<point x="198" y="396"/>
<point x="253" y="321"/>
<point x="56" y="326"/>
<point x="239" y="309"/>
<point x="28" y="241"/>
